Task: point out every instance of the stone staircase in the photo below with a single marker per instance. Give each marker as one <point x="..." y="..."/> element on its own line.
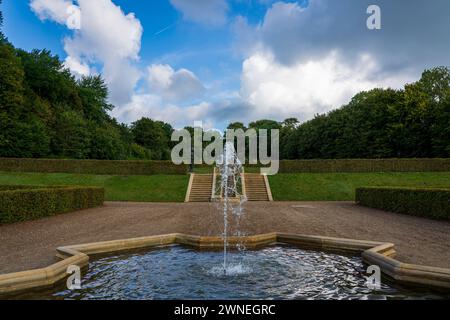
<point x="200" y="188"/>
<point x="257" y="187"/>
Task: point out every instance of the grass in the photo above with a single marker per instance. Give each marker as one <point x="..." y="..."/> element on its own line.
<point x="155" y="188"/>
<point x="285" y="187"/>
<point x="341" y="186"/>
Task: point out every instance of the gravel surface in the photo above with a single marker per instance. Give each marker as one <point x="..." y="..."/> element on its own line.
<point x="32" y="244"/>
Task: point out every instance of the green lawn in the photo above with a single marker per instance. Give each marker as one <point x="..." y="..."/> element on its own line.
<point x="287" y="187"/>
<point x="341" y="186"/>
<point x="157" y="188"/>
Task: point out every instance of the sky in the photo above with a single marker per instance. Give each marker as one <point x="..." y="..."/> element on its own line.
<point x="220" y="61"/>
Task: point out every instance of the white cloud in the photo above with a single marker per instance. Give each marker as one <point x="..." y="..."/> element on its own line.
<point x="56" y="10"/>
<point x="112" y="39"/>
<point x="152" y="106"/>
<point x="278" y="91"/>
<point x="175" y="86"/>
<point x="77" y="67"/>
<point x="108" y="37"/>
<point x="299" y="61"/>
<point x="209" y="12"/>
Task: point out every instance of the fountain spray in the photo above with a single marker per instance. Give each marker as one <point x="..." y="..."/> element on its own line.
<point x="230" y="168"/>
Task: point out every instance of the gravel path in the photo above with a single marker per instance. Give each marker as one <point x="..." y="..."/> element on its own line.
<point x="32" y="244"/>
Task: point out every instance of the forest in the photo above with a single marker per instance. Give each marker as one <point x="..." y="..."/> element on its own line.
<point x="45" y="112"/>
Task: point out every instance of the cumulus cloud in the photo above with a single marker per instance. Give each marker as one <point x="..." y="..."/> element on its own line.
<point x="107" y="36"/>
<point x="209" y="12"/>
<point x="112" y="39"/>
<point x="174" y="86"/>
<point x="56" y="10"/>
<point x="409" y="30"/>
<point x="303" y="89"/>
<point x="77" y="67"/>
<point x="152" y="106"/>
<point x="300" y="61"/>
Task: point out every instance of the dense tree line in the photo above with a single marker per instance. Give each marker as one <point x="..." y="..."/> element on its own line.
<point x="381" y="123"/>
<point x="46" y="112"/>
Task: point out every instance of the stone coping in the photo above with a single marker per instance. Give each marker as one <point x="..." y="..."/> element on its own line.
<point x="373" y="253"/>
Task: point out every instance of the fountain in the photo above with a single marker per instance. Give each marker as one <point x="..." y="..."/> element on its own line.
<point x="231" y="199"/>
<point x="171" y="266"/>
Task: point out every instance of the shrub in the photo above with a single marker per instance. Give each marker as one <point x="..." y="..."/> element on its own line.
<point x="427" y="203"/>
<point x="117" y="167"/>
<point x="20" y="203"/>
<point x="365" y="165"/>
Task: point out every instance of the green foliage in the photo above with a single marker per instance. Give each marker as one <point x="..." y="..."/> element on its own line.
<point x="147" y="188"/>
<point x="153" y="135"/>
<point x="341" y="186"/>
<point x="106" y="143"/>
<point x="94" y="96"/>
<point x="381" y="123"/>
<point x="236" y="126"/>
<point x="71" y="136"/>
<point x="365" y="165"/>
<point x="22" y="133"/>
<point x="46" y="113"/>
<point x="427" y="203"/>
<point x="21" y="204"/>
<point x="139" y="152"/>
<point x="11" y="82"/>
<point x="91" y="166"/>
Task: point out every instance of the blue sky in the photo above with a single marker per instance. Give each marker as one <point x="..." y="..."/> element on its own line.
<point x="235" y="60"/>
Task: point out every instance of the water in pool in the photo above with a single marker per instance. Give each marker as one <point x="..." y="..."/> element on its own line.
<point x="278" y="272"/>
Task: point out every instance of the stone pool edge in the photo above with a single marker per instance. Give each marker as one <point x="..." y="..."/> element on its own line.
<point x="373" y="253"/>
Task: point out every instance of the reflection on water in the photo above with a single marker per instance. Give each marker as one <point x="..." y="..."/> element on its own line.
<point x="278" y="272"/>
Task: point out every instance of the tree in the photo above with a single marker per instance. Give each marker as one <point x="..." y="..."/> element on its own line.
<point x="236" y="125"/>
<point x="152" y="135"/>
<point x="427" y="114"/>
<point x="94" y="97"/>
<point x="46" y="76"/>
<point x="288" y="127"/>
<point x="106" y="143"/>
<point x="11" y="98"/>
<point x="71" y="137"/>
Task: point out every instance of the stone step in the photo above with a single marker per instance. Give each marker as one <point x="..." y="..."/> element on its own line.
<point x="255" y="186"/>
<point x="201" y="188"/>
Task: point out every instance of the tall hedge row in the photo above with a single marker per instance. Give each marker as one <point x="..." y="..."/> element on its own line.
<point x="427" y="203"/>
<point x="125" y="167"/>
<point x="365" y="165"/>
<point x="20" y="203"/>
<point x="118" y="167"/>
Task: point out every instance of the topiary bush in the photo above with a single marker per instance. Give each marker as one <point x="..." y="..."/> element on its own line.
<point x="365" y="165"/>
<point x="116" y="167"/>
<point x="427" y="203"/>
<point x="21" y="203"/>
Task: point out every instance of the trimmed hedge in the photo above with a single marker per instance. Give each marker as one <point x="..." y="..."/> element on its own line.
<point x="365" y="165"/>
<point x="124" y="167"/>
<point x="114" y="167"/>
<point x="427" y="203"/>
<point x="21" y="203"/>
<point x="358" y="165"/>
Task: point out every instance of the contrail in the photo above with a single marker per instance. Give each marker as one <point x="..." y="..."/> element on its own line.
<point x="164" y="29"/>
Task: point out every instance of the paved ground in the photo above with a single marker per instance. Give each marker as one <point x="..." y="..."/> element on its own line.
<point x="32" y="244"/>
